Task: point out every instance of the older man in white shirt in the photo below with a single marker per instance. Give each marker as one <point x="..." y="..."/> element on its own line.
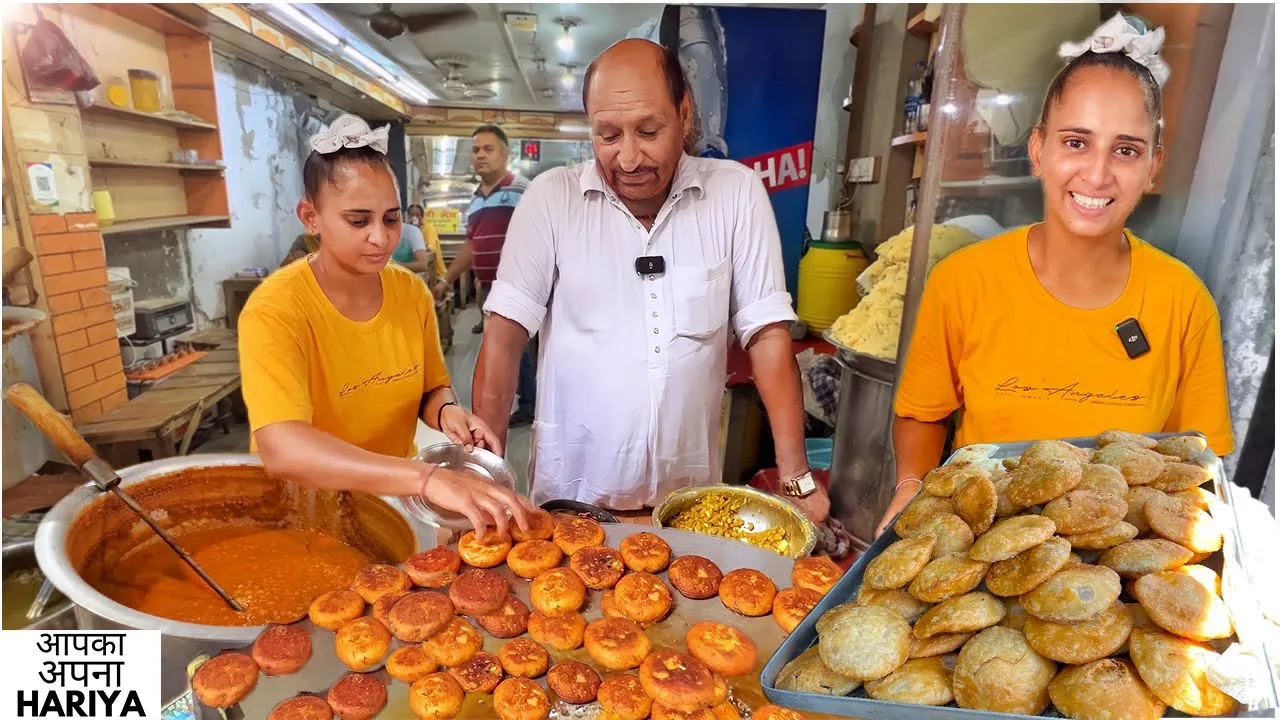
<point x="636" y="268"/>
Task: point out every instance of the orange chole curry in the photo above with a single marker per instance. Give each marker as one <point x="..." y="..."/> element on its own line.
<point x="273" y="573"/>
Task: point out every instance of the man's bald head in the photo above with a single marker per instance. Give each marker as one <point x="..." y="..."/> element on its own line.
<point x="637" y="56"/>
<point x="639" y="121"/>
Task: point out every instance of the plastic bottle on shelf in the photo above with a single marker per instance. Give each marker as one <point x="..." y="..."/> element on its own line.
<point x="915" y="98"/>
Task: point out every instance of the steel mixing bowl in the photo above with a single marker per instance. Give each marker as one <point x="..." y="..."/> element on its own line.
<point x="455" y="457"/>
<point x="761" y="511"/>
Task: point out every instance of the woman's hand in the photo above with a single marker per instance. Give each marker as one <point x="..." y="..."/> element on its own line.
<point x="484" y="503"/>
<point x="907" y="491"/>
<point x="468" y="430"/>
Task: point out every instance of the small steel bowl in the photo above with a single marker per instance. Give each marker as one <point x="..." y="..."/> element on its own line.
<point x="762" y="510"/>
<point x="455" y="457"/>
<point x="59" y="614"/>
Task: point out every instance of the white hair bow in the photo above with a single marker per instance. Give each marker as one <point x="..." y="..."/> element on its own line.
<point x="1119" y="35"/>
<point x="350" y="131"/>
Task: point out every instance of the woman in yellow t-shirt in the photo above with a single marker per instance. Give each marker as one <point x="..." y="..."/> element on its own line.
<point x="431" y="235"/>
<point x="1021" y="334"/>
<point x="340" y="354"/>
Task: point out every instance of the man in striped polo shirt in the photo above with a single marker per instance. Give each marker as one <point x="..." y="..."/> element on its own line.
<point x="487" y="219"/>
<point x="489" y="213"/>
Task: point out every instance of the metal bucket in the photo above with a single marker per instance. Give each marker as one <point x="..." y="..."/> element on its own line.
<point x="862" y="464"/>
<point x="26" y="449"/>
<point x="87" y="532"/>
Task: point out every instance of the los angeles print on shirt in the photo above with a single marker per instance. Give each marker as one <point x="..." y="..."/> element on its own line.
<point x="380" y="379"/>
<point x="1068" y="392"/>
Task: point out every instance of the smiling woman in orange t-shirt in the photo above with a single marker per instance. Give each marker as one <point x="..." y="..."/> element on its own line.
<point x="1018" y="336"/>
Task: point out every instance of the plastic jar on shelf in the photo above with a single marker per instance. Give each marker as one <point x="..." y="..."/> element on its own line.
<point x="145" y="87"/>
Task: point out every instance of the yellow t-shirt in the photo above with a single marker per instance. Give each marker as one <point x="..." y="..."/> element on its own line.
<point x="301" y="359"/>
<point x="1020" y="365"/>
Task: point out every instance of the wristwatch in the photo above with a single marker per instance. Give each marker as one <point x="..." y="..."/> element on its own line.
<point x="802" y="486"/>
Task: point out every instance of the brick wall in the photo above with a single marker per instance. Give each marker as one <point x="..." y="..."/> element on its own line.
<point x="72" y="260"/>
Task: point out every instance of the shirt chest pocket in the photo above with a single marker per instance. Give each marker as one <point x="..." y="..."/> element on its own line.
<point x="701" y="298"/>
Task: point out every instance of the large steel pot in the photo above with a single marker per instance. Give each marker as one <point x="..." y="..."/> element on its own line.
<point x="862" y="465"/>
<point x="88" y="532"/>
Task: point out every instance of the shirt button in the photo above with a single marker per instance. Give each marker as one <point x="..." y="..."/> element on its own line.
<point x="655" y="331"/>
<point x="657" y="349"/>
<point x="655" y="314"/>
<point x="651" y="278"/>
<point x="653" y="296"/>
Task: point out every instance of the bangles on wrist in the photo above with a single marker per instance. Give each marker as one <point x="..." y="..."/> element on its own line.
<point x="903" y="481"/>
<point x="431" y="470"/>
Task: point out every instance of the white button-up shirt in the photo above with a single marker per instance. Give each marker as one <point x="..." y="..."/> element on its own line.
<point x="632" y="367"/>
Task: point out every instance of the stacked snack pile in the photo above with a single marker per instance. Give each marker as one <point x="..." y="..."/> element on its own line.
<point x="1066" y="576"/>
<point x="426" y="622"/>
<point x="872" y="326"/>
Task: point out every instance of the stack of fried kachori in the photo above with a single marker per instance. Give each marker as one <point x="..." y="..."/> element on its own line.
<point x="1064" y="576"/>
<point x="426" y="624"/>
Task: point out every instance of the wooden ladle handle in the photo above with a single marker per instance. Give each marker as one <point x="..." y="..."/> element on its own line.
<point x="14" y="259"/>
<point x="56" y="426"/>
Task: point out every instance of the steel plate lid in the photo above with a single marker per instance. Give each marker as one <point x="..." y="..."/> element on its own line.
<point x="455" y="457"/>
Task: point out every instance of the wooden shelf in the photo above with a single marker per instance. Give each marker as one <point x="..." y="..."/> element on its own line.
<point x="912" y="139"/>
<point x="918" y="25"/>
<point x="153" y="17"/>
<point x="184" y="167"/>
<point x="167" y="223"/>
<point x="131" y="114"/>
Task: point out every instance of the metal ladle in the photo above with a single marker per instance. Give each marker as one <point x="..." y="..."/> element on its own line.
<point x="58" y="429"/>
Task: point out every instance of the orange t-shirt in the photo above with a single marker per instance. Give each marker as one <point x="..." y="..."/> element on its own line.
<point x="991" y="342"/>
<point x="301" y="359"/>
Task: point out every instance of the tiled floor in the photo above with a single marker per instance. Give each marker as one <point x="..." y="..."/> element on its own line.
<point x="461" y="360"/>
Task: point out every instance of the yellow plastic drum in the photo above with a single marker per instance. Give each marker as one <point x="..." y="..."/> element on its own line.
<point x="145" y="86"/>
<point x="829" y="282"/>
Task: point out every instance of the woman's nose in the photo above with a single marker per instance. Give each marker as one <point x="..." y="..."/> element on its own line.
<point x="1097" y="169"/>
<point x="382" y="235"/>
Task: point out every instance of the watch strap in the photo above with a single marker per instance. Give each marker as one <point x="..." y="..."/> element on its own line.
<point x="792" y="487"/>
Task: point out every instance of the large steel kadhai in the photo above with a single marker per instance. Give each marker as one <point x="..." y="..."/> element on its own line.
<point x="59" y="429"/>
<point x="78" y="539"/>
<point x="325" y="669"/>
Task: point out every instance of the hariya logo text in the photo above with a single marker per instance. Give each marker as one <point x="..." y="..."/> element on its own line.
<point x="79" y="703"/>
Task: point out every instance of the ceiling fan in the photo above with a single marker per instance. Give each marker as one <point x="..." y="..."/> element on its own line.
<point x="389" y="24"/>
<point x="452" y="68"/>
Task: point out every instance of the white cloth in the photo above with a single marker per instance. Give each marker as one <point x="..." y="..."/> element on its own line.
<point x="632" y="369"/>
<point x="350" y="131"/>
<point x="1119" y="35"/>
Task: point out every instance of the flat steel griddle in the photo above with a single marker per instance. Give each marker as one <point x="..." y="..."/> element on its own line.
<point x="324" y="668"/>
